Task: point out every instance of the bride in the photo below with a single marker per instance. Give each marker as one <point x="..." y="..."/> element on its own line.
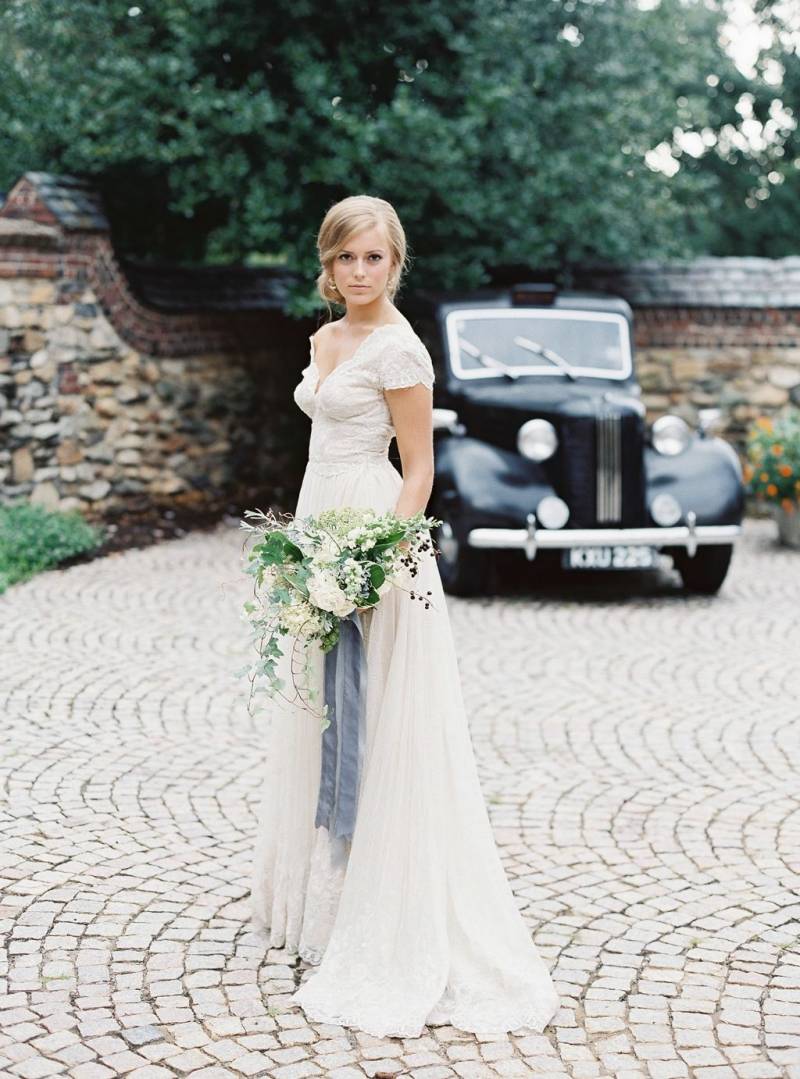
<point x="413" y="922"/>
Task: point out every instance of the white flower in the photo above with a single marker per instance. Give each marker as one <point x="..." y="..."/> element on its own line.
<point x="327" y="551"/>
<point x="269" y="576"/>
<point x="300" y="618"/>
<point x="320" y="578"/>
<point x="324" y="592"/>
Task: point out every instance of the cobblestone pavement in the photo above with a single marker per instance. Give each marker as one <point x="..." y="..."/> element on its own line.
<point x="638" y="751"/>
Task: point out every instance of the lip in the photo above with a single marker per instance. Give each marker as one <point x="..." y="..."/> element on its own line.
<point x="359" y="286"/>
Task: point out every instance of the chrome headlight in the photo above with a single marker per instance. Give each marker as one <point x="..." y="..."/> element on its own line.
<point x="537" y="439"/>
<point x="670" y="435"/>
<point x="552" y="512"/>
<point x="665" y="510"/>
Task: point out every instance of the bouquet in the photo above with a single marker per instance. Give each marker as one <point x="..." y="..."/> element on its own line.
<point x="314" y="572"/>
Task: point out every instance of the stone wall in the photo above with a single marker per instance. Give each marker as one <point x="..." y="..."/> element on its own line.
<point x="744" y="361"/>
<point x="106" y="404"/>
<point x="90" y="420"/>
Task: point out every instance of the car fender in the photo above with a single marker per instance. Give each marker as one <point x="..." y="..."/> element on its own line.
<point x="706" y="479"/>
<point x="482" y="484"/>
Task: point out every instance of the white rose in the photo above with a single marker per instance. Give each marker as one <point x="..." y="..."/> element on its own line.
<point x="324" y="592"/>
<point x="327" y="551"/>
<point x="321" y="578"/>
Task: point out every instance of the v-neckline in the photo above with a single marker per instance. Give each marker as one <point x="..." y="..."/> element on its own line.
<point x="321" y="383"/>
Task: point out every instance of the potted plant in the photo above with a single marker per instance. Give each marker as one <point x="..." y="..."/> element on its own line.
<point x="773" y="470"/>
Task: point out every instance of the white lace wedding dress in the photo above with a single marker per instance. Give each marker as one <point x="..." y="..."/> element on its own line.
<point x="413" y="923"/>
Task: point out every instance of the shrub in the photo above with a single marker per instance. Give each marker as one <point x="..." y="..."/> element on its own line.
<point x="33" y="539"/>
<point x="773" y="466"/>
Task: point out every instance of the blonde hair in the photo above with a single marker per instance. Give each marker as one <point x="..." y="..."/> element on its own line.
<point x="343" y="220"/>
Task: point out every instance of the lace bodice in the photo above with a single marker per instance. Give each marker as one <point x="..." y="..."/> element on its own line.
<point x="350" y="418"/>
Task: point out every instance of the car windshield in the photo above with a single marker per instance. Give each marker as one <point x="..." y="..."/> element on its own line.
<point x="567" y="343"/>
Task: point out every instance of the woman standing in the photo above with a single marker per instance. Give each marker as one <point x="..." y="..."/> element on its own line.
<point x="414" y="921"/>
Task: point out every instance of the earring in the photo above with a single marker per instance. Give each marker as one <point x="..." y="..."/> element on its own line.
<point x="332" y="284"/>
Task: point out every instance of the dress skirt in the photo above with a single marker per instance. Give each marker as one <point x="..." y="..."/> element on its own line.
<point x="414" y="922"/>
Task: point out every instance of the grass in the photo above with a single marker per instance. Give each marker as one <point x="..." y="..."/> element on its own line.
<point x="33" y="539"/>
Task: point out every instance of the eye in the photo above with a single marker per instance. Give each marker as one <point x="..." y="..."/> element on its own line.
<point x="376" y="256"/>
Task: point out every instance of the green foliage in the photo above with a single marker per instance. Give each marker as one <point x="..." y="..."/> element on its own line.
<point x="33" y="539"/>
<point x="773" y="452"/>
<point x="758" y="174"/>
<point x="504" y="131"/>
<point x="275" y="549"/>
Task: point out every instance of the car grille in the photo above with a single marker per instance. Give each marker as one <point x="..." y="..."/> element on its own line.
<point x="608" y="468"/>
<point x="602" y="469"/>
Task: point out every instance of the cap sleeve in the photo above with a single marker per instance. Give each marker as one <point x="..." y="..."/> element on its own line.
<point x="405" y="363"/>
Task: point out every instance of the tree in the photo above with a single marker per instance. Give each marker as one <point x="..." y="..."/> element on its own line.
<point x="755" y="162"/>
<point x="502" y="130"/>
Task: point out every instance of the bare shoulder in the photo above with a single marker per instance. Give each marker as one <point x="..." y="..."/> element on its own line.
<point x="323" y="333"/>
<point x="402" y="321"/>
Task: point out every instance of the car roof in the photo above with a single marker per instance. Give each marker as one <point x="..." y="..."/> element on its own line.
<point x="441" y="303"/>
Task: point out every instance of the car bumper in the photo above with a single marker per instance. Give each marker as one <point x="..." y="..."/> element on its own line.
<point x="534" y="538"/>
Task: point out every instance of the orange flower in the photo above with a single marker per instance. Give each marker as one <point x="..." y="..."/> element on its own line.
<point x="763" y="477"/>
<point x="785" y="470"/>
<point x="764" y="423"/>
<point x="788" y="505"/>
<point x="777" y="449"/>
<point x="772" y="490"/>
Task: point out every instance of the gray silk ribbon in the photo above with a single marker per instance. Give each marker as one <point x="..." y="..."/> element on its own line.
<point x="343" y="739"/>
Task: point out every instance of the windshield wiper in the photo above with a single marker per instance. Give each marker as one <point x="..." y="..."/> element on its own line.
<point x="548" y="354"/>
<point x="486" y="360"/>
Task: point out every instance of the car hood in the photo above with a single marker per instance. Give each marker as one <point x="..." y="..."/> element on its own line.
<point x="496" y="411"/>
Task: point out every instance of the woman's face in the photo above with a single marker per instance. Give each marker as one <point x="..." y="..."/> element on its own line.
<point x="362" y="266"/>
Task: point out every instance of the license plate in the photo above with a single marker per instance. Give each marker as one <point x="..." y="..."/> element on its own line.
<point x="620" y="556"/>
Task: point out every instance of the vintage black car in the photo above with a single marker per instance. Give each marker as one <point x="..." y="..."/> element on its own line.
<point x="542" y="443"/>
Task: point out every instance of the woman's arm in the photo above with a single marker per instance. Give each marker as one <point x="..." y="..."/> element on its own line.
<point x="411" y="408"/>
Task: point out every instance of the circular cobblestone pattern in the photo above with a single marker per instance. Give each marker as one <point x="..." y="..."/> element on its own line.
<point x="638" y="750"/>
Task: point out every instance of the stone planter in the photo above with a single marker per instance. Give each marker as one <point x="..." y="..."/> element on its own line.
<point x="788" y="526"/>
